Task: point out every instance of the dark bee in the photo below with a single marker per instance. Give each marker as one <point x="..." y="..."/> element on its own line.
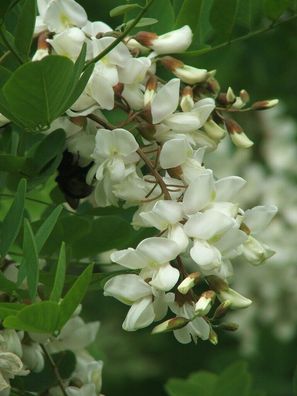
<point x="71" y="179"/>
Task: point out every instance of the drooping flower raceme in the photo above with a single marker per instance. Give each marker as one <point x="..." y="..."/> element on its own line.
<point x="144" y="142"/>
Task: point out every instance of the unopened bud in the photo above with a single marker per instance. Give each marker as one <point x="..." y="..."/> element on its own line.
<point x="237" y="135"/>
<point x="147" y="130"/>
<point x="222" y="309"/>
<point x="189" y="282"/>
<point x="265" y="104"/>
<point x="146" y="38"/>
<point x="230" y="96"/>
<point x="188" y="74"/>
<point x="204" y="303"/>
<point x="213" y="130"/>
<point x="229" y="326"/>
<point x="244" y="95"/>
<point x="150" y="90"/>
<point x="79" y="121"/>
<point x="187" y="101"/>
<point x="213" y="337"/>
<point x="118" y="89"/>
<point x="256" y="252"/>
<point x="170" y="325"/>
<point x="237" y="301"/>
<point x="213" y="86"/>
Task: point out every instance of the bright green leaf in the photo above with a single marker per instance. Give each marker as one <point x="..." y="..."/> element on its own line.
<point x="25" y="27"/>
<point x="41" y="317"/>
<point x="13" y="219"/>
<point x="59" y="276"/>
<point x="233" y="381"/>
<point x="30" y="262"/>
<point x="275" y="8"/>
<point x="7" y="309"/>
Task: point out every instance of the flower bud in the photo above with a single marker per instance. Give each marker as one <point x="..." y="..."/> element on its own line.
<point x="222" y="309"/>
<point x="204" y="304"/>
<point x="175" y="41"/>
<point x="237" y="135"/>
<point x="230" y="96"/>
<point x="150" y="90"/>
<point x="229" y="326"/>
<point x="256" y="252"/>
<point x="265" y="104"/>
<point x="213" y="337"/>
<point x="170" y="325"/>
<point x="33" y="357"/>
<point x="188" y="74"/>
<point x="225" y="293"/>
<point x="42" y="47"/>
<point x="189" y="282"/>
<point x="245" y="97"/>
<point x="213" y="130"/>
<point x="187" y="101"/>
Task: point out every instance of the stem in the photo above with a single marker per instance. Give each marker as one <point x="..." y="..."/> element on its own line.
<point x="244" y="37"/>
<point x="55" y="370"/>
<point x="4" y="56"/>
<point x="99" y="120"/>
<point x="155" y="173"/>
<point x="121" y="36"/>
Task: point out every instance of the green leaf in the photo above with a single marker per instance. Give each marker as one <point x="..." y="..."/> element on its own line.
<point x="295" y="382"/>
<point x="233" y="381"/>
<point x="36" y="92"/>
<point x="59" y="276"/>
<point x="47" y="227"/>
<point x="205" y="380"/>
<point x="222" y="18"/>
<point x="74" y="296"/>
<point x="189" y="14"/>
<point x="11" y="163"/>
<point x="44" y="152"/>
<point x="275" y="8"/>
<point x="122" y="9"/>
<point x="25" y="28"/>
<point x="13" y="219"/>
<point x="30" y="262"/>
<point x="7" y="309"/>
<point x="41" y="317"/>
<point x="146" y="22"/>
<point x="4" y="75"/>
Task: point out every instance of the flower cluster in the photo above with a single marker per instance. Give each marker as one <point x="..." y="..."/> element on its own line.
<point x="143" y="141"/>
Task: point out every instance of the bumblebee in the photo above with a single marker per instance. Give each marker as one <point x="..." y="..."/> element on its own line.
<point x="71" y="179"/>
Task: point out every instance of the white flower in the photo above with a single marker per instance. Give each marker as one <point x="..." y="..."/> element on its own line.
<point x="197" y="328"/>
<point x="68" y="43"/>
<point x="33" y="357"/>
<point x="59" y="15"/>
<point x="88" y="370"/>
<point x="153" y="256"/>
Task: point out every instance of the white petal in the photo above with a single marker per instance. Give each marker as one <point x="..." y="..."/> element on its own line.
<point x="205" y="255"/>
<point x="105" y="95"/>
<point x="127" y="288"/>
<point x="183" y="122"/>
<point x="175" y="41"/>
<point x="183" y="335"/>
<point x="166" y="278"/>
<point x="174" y="152"/>
<point x="158" y="250"/>
<point x="199" y="193"/>
<point x="129" y="258"/>
<point x="177" y="234"/>
<point x="203" y="108"/>
<point x="62" y="14"/>
<point x="228" y="187"/>
<point x="208" y="224"/>
<point x="258" y="218"/>
<point x="140" y="315"/>
<point x="169" y="210"/>
<point x="200" y="328"/>
<point x="231" y="240"/>
<point x="165" y="101"/>
<point x="124" y="141"/>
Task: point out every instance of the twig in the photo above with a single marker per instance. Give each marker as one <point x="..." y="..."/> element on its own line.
<point x="121" y="36"/>
<point x="55" y="370"/>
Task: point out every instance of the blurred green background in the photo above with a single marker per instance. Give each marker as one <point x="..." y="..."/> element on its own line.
<point x="140" y="364"/>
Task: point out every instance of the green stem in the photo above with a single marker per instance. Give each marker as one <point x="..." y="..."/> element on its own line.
<point x="121" y="36"/>
<point x="55" y="370"/>
<point x="204" y="51"/>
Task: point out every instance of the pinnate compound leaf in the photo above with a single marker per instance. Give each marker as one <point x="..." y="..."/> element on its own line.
<point x="13" y="219"/>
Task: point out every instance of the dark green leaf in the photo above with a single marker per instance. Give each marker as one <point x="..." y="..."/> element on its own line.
<point x="47" y="227"/>
<point x="30" y="262"/>
<point x="222" y="18"/>
<point x="11" y="163"/>
<point x="74" y="296"/>
<point x="13" y="219"/>
<point x="275" y="8"/>
<point x="59" y="276"/>
<point x="233" y="381"/>
<point x="37" y="92"/>
<point x="122" y="9"/>
<point x="295" y="382"/>
<point x="189" y="14"/>
<point x="25" y="28"/>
